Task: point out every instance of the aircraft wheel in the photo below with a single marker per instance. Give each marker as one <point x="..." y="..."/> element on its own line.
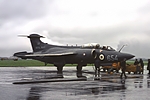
<point x="59" y="70"/>
<point x="79" y="68"/>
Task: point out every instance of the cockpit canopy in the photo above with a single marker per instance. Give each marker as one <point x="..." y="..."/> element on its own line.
<point x="109" y="48"/>
<point x="91" y="45"/>
<point x="97" y="46"/>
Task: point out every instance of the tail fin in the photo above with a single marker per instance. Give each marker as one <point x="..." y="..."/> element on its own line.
<point x="37" y="44"/>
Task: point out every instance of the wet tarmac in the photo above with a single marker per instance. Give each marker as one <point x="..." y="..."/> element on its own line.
<point x="109" y="87"/>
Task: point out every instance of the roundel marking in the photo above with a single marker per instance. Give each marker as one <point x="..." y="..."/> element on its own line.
<point x="101" y="57"/>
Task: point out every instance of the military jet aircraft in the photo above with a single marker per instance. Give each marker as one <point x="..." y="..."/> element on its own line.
<point x="80" y="55"/>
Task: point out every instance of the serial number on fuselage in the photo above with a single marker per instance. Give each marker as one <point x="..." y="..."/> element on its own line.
<point x="112" y="57"/>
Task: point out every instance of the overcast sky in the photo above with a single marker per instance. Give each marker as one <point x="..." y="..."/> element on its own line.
<point x="108" y="22"/>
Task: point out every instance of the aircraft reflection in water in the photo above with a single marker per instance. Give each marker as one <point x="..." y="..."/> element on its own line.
<point x="109" y="88"/>
<point x="37" y="92"/>
<point x="80" y="55"/>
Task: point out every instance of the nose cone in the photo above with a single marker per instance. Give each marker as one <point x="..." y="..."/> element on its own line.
<point x="126" y="56"/>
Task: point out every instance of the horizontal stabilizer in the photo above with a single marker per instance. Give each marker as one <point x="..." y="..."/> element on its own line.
<point x="22" y="54"/>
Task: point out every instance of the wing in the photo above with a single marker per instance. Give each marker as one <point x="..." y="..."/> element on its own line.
<point x="25" y="55"/>
<point x="50" y="54"/>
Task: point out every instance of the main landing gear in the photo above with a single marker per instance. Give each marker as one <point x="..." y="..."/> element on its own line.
<point x="79" y="70"/>
<point x="60" y="70"/>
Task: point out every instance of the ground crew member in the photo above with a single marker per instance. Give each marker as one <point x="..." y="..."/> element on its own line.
<point x="148" y="66"/>
<point x="142" y="65"/>
<point x="136" y="63"/>
<point x="123" y="67"/>
<point x="97" y="68"/>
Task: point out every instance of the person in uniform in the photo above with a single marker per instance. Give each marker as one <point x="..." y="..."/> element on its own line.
<point x="97" y="67"/>
<point x="136" y="63"/>
<point x="123" y="67"/>
<point x="148" y="66"/>
<point x="142" y="65"/>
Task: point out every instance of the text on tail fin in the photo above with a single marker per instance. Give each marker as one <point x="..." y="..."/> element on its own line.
<point x="37" y="44"/>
